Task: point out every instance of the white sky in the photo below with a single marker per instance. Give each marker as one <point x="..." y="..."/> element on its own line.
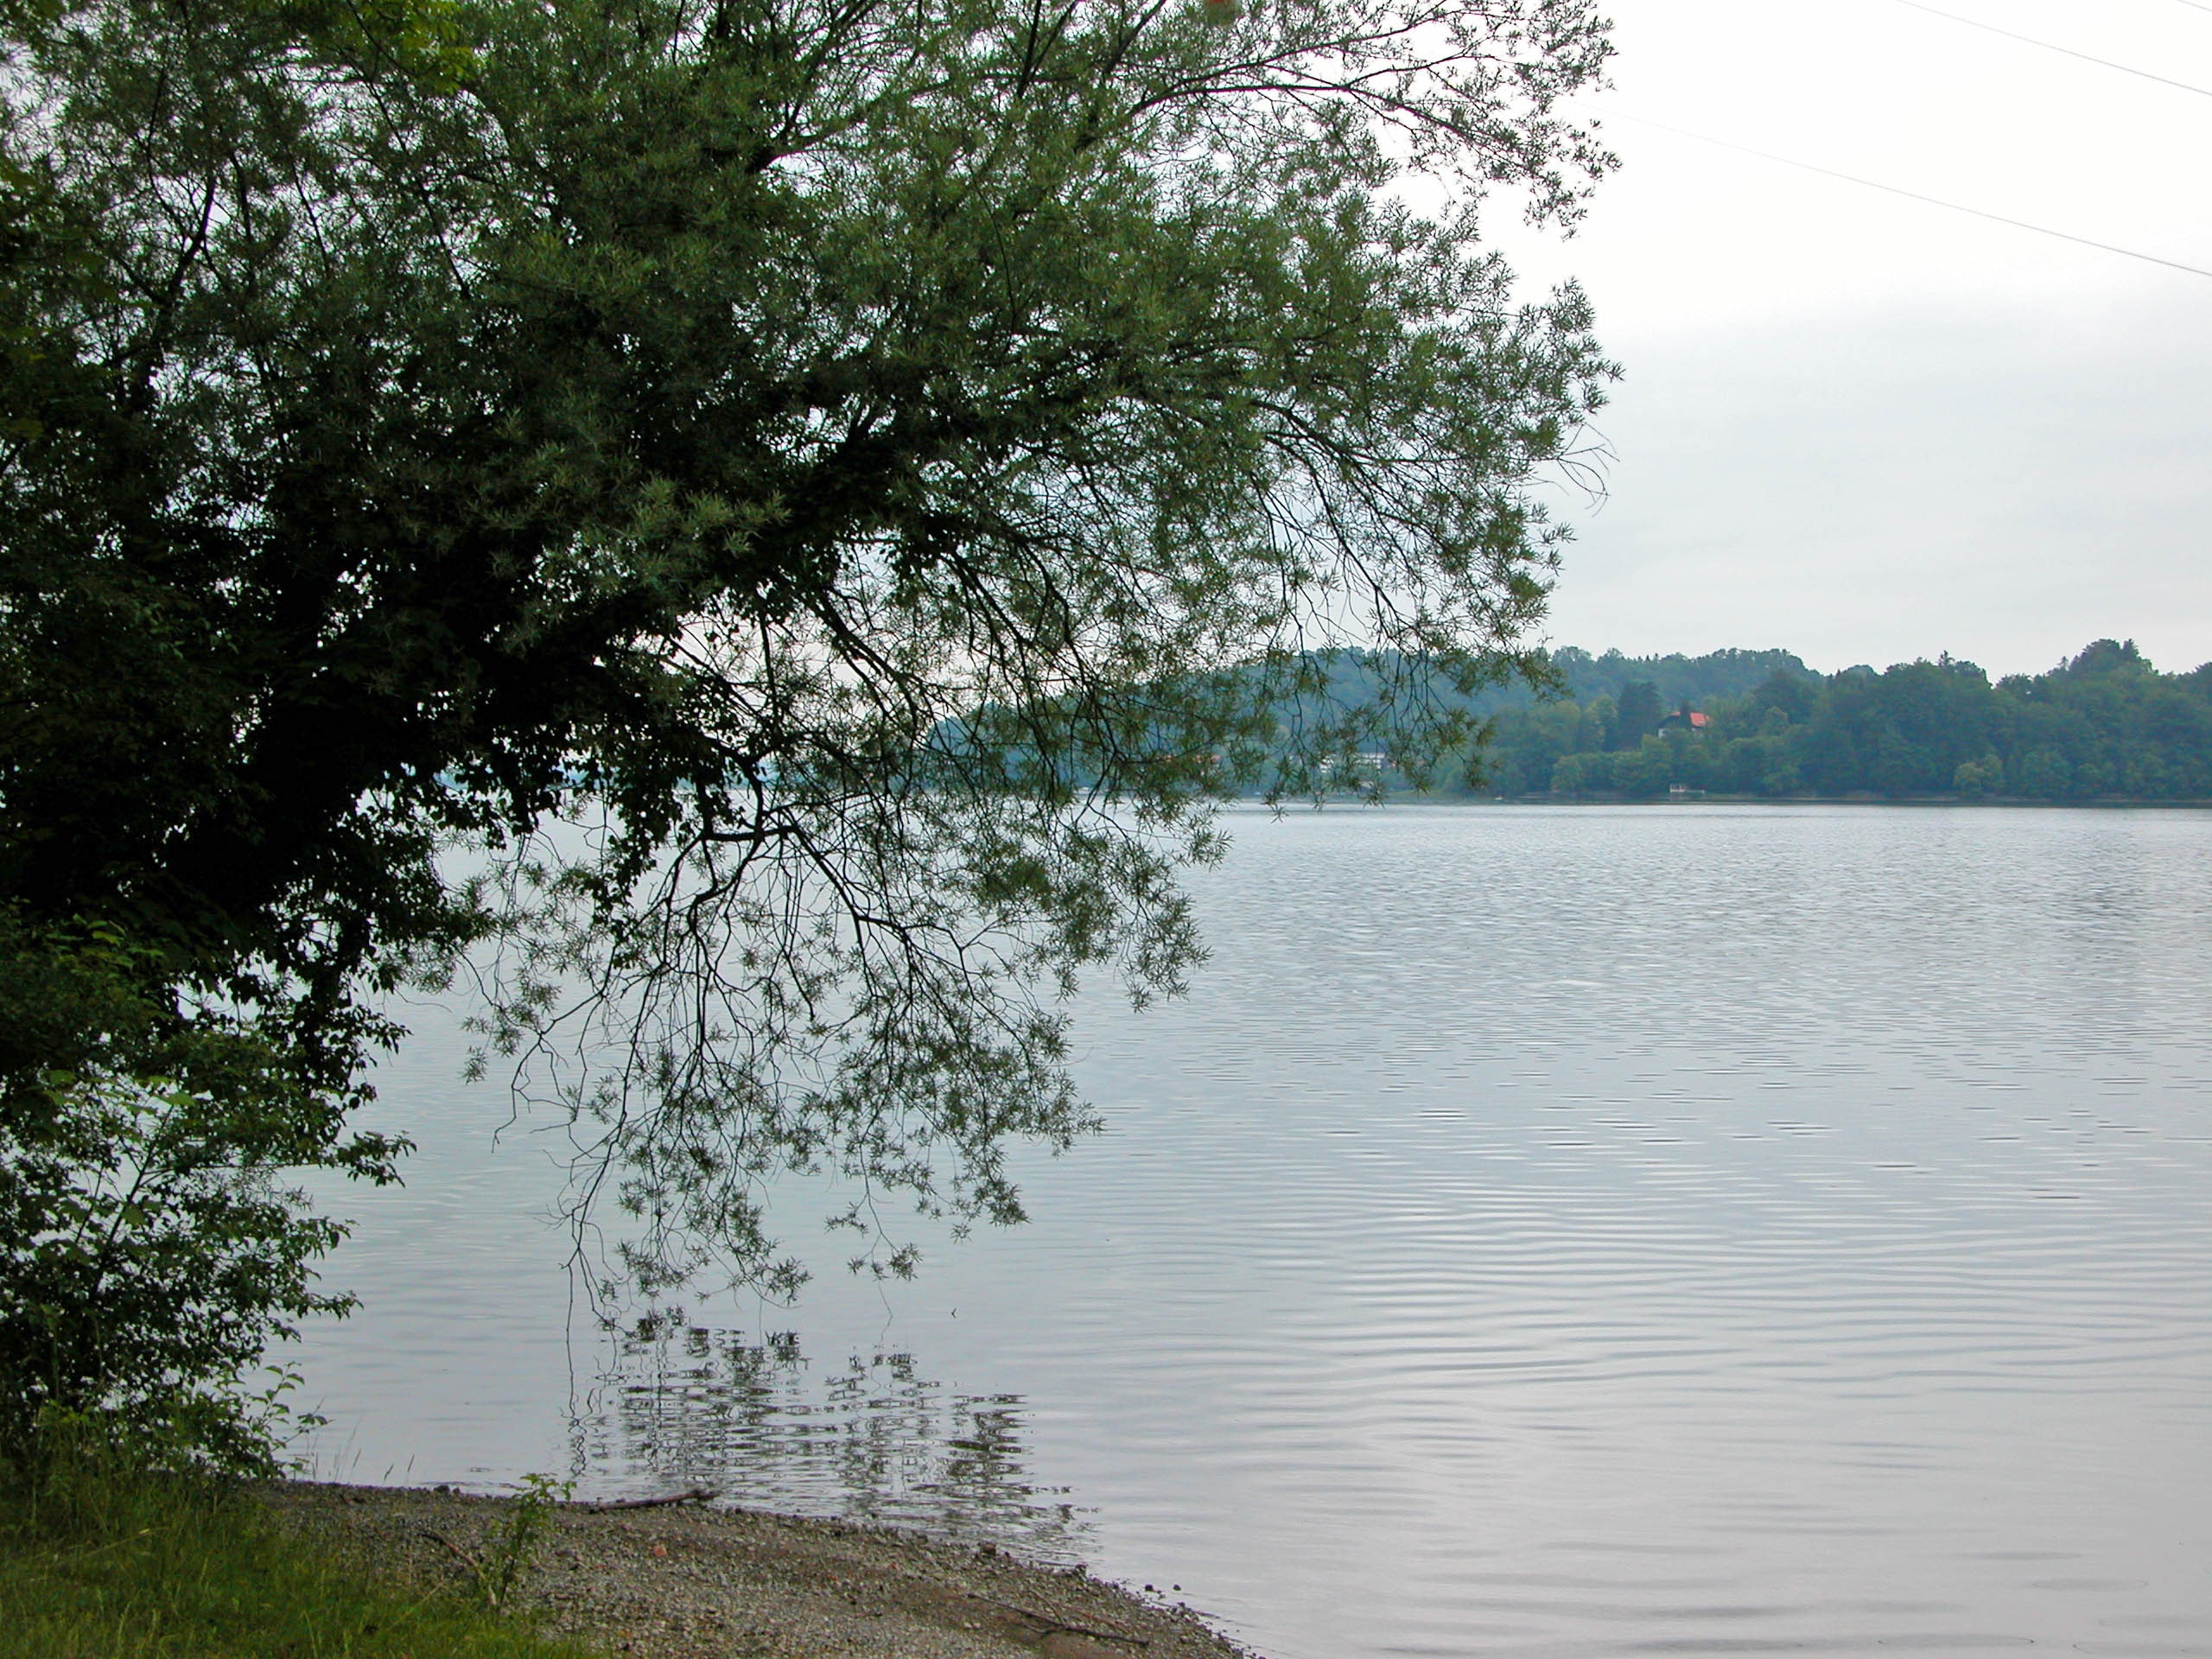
<point x="1868" y="430"/>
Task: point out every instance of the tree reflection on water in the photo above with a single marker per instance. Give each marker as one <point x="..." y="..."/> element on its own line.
<point x="876" y="1441"/>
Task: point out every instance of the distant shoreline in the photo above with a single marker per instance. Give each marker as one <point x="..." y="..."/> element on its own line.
<point x="1413" y="797"/>
<point x="1713" y="798"/>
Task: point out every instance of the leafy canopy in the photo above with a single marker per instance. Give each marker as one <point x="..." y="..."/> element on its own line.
<point x="886" y="466"/>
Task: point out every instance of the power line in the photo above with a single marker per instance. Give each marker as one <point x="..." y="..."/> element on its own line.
<point x="2067" y="51"/>
<point x="1915" y="195"/>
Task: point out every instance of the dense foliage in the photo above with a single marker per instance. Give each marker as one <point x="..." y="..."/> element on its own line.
<point x="776" y="485"/>
<point x="2103" y="726"/>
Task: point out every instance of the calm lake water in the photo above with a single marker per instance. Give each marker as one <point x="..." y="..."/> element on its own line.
<point x="1540" y="1232"/>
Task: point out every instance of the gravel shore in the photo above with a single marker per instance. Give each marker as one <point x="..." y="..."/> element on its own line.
<point x="685" y="1581"/>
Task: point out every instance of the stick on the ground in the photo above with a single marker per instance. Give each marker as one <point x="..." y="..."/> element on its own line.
<point x="465" y="1558"/>
<point x="1054" y="1623"/>
<point x="696" y="1495"/>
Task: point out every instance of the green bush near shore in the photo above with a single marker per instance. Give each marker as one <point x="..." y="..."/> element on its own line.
<point x="98" y="1564"/>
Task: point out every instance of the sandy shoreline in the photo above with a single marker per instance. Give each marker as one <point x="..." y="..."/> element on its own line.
<point x="691" y="1582"/>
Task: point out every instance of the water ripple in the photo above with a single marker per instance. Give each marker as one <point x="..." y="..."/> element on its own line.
<point x="1540" y="1232"/>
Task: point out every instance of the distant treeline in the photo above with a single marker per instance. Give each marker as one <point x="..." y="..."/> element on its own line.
<point x="2106" y="725"/>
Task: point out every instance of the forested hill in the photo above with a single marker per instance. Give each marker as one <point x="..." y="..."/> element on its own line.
<point x="1677" y="679"/>
<point x="2106" y="725"/>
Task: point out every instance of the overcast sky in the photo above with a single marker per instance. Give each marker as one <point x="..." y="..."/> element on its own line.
<point x="1868" y="430"/>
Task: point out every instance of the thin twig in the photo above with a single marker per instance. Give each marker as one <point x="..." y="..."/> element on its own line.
<point x="460" y="1554"/>
<point x="1054" y="1625"/>
<point x="696" y="1495"/>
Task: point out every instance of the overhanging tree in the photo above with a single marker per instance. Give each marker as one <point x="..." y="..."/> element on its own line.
<point x="888" y="468"/>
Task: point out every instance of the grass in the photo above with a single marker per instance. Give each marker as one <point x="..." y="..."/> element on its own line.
<point x="134" y="1566"/>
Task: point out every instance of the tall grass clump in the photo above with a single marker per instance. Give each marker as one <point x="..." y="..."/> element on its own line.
<point x="108" y="1553"/>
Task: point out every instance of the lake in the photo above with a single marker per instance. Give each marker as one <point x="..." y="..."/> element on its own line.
<point x="1540" y="1231"/>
